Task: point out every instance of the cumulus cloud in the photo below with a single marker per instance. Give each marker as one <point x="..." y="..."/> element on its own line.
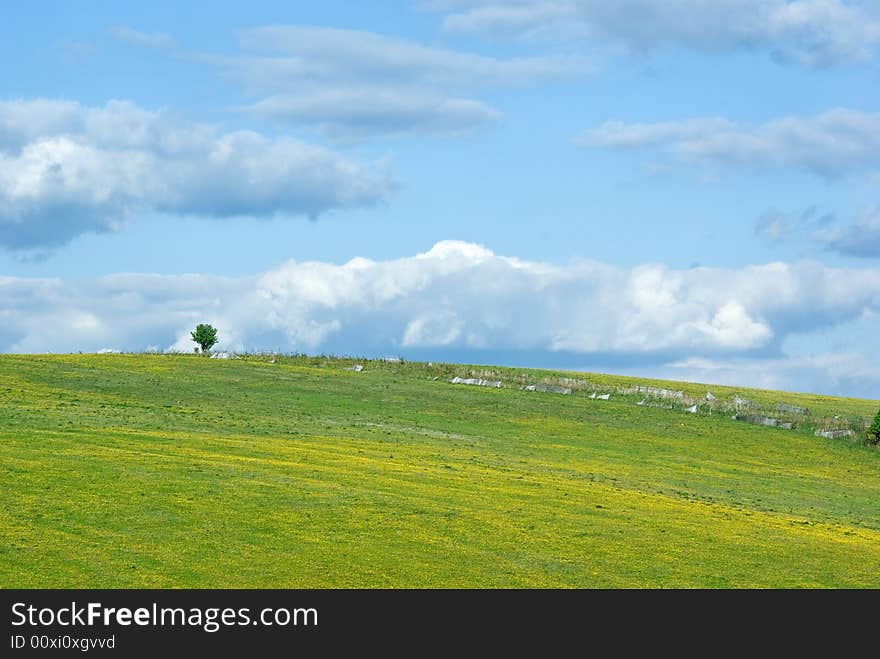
<point x="456" y="298"/>
<point x="811" y="33"/>
<point x="66" y="169"/>
<point x="829" y="145"/>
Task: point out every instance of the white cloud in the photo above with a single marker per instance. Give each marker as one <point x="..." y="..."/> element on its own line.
<point x="862" y="238"/>
<point x="441" y="328"/>
<point x="354" y="84"/>
<point x="619" y="135"/>
<point x="66" y="169"/>
<point x="777" y="227"/>
<point x="832" y="372"/>
<point x="22" y="122"/>
<point x="357" y="113"/>
<point x="773" y="226"/>
<point x="155" y="40"/>
<point x="530" y="20"/>
<point x="829" y="145"/>
<point x="460" y="298"/>
<point x="809" y="32"/>
<point x="298" y="52"/>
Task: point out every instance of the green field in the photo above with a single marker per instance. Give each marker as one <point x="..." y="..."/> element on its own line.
<point x="181" y="471"/>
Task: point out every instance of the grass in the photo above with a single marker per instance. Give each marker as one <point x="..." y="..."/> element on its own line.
<point x="179" y="471"/>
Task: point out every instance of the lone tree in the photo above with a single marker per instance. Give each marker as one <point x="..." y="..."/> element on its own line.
<point x="205" y="336"/>
<point x="874" y="430"/>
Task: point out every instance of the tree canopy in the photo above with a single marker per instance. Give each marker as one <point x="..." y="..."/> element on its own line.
<point x="205" y="335"/>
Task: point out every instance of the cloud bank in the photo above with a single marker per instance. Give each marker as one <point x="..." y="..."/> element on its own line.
<point x="460" y="299"/>
<point x="66" y="169"/>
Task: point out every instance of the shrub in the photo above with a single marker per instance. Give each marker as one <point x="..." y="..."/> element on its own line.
<point x="874" y="430"/>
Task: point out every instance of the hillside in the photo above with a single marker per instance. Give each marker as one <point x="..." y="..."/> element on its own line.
<point x="181" y="471"/>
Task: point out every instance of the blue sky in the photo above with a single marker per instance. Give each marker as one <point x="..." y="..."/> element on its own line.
<point x="686" y="188"/>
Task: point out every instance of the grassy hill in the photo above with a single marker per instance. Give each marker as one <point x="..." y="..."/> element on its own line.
<point x="181" y="471"/>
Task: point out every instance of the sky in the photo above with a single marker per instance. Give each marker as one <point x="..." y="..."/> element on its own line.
<point x="687" y="189"/>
